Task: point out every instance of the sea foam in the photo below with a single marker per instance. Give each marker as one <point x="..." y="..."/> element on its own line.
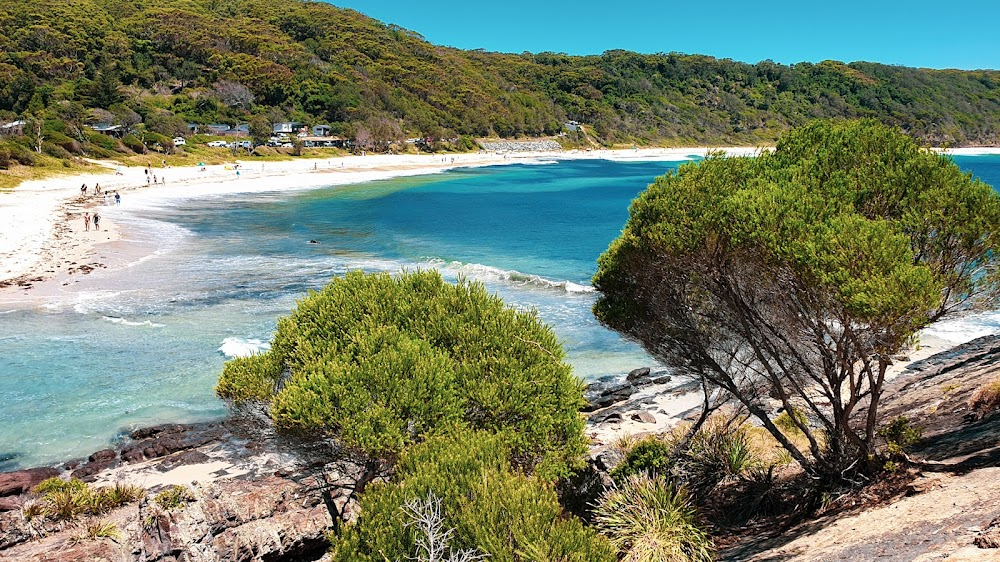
<point x="480" y="272"/>
<point x="239" y="347"/>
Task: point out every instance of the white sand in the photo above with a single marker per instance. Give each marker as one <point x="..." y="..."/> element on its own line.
<point x="41" y="226"/>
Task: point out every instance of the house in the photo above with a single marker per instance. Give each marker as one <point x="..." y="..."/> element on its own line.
<point x="324" y="142"/>
<point x="193" y="128"/>
<point x="289" y="127"/>
<point x="218" y="129"/>
<point x="108" y="129"/>
<point x="321" y="131"/>
<point x="12" y="128"/>
<point x="572" y="126"/>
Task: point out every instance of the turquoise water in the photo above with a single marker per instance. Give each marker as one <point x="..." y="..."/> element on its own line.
<point x="143" y="344"/>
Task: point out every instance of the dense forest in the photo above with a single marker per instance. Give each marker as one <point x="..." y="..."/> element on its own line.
<point x="154" y="65"/>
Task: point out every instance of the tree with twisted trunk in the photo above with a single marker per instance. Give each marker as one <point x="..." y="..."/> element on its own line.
<point x="788" y="281"/>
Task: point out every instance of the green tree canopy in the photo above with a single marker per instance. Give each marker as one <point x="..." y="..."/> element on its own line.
<point x="795" y="276"/>
<point x="381" y="362"/>
<point x="492" y="508"/>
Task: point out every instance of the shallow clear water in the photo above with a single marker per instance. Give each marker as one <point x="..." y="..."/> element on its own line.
<point x="139" y="345"/>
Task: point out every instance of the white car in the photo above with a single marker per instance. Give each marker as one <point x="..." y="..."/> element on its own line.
<point x="179" y="141"/>
<point x="217" y="144"/>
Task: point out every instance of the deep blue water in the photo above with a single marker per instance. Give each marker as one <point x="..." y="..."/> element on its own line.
<point x="137" y="345"/>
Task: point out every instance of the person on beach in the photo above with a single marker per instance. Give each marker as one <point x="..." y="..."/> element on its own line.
<point x="86" y="222"/>
<point x="118" y="199"/>
<point x="97" y="221"/>
<point x="83" y="189"/>
<point x="97" y="188"/>
<point x="106" y="195"/>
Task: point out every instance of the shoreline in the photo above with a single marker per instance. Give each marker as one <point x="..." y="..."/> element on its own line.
<point x="42" y="236"/>
<point x="41" y="227"/>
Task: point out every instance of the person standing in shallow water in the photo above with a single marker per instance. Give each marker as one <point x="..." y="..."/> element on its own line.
<point x="86" y="222"/>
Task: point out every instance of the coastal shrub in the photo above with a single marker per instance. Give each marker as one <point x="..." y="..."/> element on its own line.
<point x="68" y="144"/>
<point x="898" y="435"/>
<point x="985" y="399"/>
<point x="492" y="507"/>
<point x="19" y="153"/>
<point x="652" y="455"/>
<point x="101" y="140"/>
<point x="56" y="484"/>
<point x="381" y="362"/>
<point x="66" y="499"/>
<point x="785" y="422"/>
<point x="650" y="520"/>
<point x="55" y="151"/>
<point x="5" y="160"/>
<point x="750" y="274"/>
<point x="133" y="143"/>
<point x="173" y="497"/>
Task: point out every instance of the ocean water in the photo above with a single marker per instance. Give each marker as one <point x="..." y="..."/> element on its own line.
<point x="197" y="280"/>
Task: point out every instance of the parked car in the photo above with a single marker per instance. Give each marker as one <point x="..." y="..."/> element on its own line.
<point x="217" y="144"/>
<point x="245" y="144"/>
<point x="179" y="141"/>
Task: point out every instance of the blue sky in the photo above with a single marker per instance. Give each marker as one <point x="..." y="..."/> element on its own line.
<point x="921" y="33"/>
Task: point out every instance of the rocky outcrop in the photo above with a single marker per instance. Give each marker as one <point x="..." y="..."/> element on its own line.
<point x="19" y="482"/>
<point x="266" y="519"/>
<point x="610" y="391"/>
<point x="521" y="146"/>
<point x="263" y="519"/>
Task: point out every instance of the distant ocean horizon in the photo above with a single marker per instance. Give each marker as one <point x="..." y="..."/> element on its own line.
<point x="207" y="277"/>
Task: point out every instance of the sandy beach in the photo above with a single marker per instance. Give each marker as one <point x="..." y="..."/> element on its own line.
<point x="43" y="236"/>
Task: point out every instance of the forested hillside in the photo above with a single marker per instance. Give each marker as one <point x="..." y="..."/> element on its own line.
<point x="154" y="65"/>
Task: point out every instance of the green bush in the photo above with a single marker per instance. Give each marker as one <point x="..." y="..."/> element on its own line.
<point x="381" y="362"/>
<point x="899" y="434"/>
<point x="651" y="455"/>
<point x="492" y="508"/>
<point x="20" y="153"/>
<point x="650" y="520"/>
<point x="133" y="143"/>
<point x="173" y="497"/>
<point x="5" y="158"/>
<point x="55" y="150"/>
<point x="103" y="141"/>
<point x="68" y="144"/>
<point x="787" y="425"/>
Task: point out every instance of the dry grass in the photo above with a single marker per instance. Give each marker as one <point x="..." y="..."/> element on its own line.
<point x="985" y="399"/>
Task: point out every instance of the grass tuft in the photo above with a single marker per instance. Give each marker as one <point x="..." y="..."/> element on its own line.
<point x="173" y="497"/>
<point x="649" y="519"/>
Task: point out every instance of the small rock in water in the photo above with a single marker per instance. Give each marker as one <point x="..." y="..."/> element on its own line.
<point x="313" y="242"/>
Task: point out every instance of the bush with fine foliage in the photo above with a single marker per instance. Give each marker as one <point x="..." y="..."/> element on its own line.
<point x="651" y="455"/>
<point x="651" y="520"/>
<point x="381" y="362"/>
<point x="492" y="508"/>
<point x="133" y="143"/>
